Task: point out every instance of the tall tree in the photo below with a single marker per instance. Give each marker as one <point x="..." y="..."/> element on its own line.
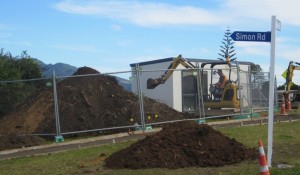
<point x="227" y="48"/>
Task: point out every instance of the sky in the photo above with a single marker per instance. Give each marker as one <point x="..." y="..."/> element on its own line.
<point x="109" y="35"/>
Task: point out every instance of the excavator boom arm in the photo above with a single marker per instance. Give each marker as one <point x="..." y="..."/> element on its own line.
<point x="174" y="65"/>
<point x="290" y="73"/>
<point x="152" y="83"/>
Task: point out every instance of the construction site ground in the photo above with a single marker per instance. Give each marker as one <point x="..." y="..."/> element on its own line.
<point x="90" y="102"/>
<point x="121" y="137"/>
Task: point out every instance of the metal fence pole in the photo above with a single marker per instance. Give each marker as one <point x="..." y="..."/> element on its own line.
<point x="58" y="137"/>
<point x="276" y="93"/>
<point x="249" y="91"/>
<point x="239" y="89"/>
<point x="200" y="93"/>
<point x="140" y="95"/>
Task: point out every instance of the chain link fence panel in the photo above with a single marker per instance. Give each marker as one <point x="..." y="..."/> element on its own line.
<point x="104" y="103"/>
<point x="26" y="105"/>
<point x="259" y="85"/>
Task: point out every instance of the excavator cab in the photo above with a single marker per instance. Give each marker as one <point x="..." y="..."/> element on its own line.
<point x="226" y="97"/>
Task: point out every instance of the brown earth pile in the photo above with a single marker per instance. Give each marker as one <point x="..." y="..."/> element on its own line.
<point x="93" y="102"/>
<point x="180" y="145"/>
<point x="18" y="141"/>
<point x="85" y="103"/>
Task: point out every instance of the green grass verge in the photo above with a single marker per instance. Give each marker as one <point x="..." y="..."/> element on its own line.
<point x="286" y="150"/>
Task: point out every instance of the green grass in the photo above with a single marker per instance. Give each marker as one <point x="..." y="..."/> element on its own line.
<point x="286" y="150"/>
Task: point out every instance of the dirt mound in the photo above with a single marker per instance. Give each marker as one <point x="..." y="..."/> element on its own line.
<point x="85" y="103"/>
<point x="180" y="145"/>
<point x="85" y="70"/>
<point x="92" y="102"/>
<point x="19" y="141"/>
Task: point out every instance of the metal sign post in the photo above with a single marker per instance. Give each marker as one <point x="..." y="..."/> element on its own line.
<point x="271" y="91"/>
<point x="265" y="37"/>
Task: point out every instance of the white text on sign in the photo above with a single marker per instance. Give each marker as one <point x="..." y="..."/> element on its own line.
<point x="251" y="37"/>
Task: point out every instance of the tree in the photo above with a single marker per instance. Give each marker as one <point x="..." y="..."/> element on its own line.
<point x="227" y="49"/>
<point x="18" y="67"/>
<point x="29" y="68"/>
<point x="14" y="92"/>
<point x="258" y="78"/>
<point x="293" y="87"/>
<point x="255" y="68"/>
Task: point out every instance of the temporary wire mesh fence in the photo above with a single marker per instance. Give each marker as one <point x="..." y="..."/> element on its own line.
<point x="259" y="84"/>
<point x="25" y="106"/>
<point x="106" y="103"/>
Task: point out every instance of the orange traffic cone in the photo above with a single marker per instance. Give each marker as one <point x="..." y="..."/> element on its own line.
<point x="264" y="169"/>
<point x="282" y="111"/>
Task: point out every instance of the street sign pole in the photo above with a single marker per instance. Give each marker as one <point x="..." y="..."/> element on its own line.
<point x="265" y="37"/>
<point x="271" y="91"/>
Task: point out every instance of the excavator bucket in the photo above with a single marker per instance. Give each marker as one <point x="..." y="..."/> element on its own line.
<point x="152" y="83"/>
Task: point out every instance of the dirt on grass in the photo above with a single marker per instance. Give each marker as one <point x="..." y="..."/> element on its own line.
<point x="181" y="145"/>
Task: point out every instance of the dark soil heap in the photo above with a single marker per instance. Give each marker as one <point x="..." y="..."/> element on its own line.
<point x="98" y="101"/>
<point x="18" y="141"/>
<point x="180" y="145"/>
<point x="85" y="102"/>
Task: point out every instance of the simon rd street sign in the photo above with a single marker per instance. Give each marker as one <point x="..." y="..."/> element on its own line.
<point x="251" y="36"/>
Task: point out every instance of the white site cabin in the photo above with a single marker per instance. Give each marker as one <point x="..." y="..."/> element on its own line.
<point x="174" y="92"/>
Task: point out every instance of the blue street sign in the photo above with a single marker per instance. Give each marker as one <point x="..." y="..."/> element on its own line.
<point x="251" y="36"/>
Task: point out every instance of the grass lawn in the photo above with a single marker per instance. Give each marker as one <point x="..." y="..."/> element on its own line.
<point x="286" y="151"/>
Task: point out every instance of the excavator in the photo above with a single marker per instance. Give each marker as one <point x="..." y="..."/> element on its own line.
<point x="228" y="98"/>
<point x="289" y="82"/>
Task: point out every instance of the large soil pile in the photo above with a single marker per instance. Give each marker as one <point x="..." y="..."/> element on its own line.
<point x="179" y="145"/>
<point x="85" y="103"/>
